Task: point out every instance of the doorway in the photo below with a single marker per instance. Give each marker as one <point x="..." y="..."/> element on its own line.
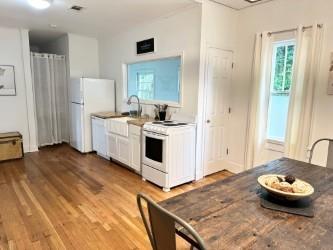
<point x="49" y="68"/>
<point x="218" y="77"/>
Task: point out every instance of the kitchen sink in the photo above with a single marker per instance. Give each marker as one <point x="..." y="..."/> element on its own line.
<point x="119" y="125"/>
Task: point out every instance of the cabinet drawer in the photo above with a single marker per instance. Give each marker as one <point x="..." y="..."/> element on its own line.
<point x="155" y="176"/>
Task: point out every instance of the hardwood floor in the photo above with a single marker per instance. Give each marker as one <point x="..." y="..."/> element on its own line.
<point x="58" y="198"/>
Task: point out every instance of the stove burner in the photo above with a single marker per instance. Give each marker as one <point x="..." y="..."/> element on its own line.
<point x="169" y="123"/>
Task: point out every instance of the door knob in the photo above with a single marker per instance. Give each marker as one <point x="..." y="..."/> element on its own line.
<point x="208" y="121"/>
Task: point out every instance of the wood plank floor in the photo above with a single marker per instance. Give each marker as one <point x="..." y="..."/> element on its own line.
<point x="58" y="198"/>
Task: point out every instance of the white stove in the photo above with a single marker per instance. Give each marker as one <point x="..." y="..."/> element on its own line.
<point x="165" y="127"/>
<point x="169" y="152"/>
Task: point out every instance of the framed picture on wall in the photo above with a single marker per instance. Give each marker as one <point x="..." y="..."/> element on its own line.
<point x="7" y="80"/>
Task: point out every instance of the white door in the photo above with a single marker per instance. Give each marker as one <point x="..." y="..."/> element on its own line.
<point x="217" y="87"/>
<point x="77" y="129"/>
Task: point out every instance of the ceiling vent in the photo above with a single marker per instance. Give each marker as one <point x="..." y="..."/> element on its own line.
<point x="76" y="8"/>
<point x="252" y="1"/>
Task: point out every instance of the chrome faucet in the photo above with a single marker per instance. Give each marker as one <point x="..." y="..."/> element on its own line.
<point x="129" y="102"/>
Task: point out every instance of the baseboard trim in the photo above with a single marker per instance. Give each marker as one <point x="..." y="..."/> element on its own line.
<point x="234" y="167"/>
<point x="30" y="148"/>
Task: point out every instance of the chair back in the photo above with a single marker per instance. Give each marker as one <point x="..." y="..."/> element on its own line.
<point x="329" y="163"/>
<point x="161" y="227"/>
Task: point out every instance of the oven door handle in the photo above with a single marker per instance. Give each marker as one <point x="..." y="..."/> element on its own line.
<point x="153" y="135"/>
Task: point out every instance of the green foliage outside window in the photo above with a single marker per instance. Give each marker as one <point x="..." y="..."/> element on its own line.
<point x="283" y="68"/>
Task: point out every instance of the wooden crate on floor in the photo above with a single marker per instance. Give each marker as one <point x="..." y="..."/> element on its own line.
<point x="11" y="146"/>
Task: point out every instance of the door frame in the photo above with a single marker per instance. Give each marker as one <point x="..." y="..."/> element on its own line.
<point x="201" y="135"/>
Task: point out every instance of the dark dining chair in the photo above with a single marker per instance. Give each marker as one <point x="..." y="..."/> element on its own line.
<point x="161" y="227"/>
<point x="329" y="162"/>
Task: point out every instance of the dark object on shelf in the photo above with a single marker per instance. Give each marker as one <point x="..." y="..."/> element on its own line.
<point x="125" y="113"/>
<point x="303" y="207"/>
<point x="162" y="115"/>
<point x="11" y="146"/>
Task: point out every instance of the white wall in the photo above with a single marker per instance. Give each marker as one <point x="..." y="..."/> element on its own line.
<point x="273" y="16"/>
<point x="83" y="56"/>
<point x="17" y="112"/>
<point x="179" y="33"/>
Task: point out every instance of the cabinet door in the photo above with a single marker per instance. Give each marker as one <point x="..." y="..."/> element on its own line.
<point x="123" y="150"/>
<point x="135" y="144"/>
<point x="112" y="146"/>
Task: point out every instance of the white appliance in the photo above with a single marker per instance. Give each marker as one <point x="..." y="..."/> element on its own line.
<point x="99" y="136"/>
<point x="168" y="157"/>
<point x="88" y="96"/>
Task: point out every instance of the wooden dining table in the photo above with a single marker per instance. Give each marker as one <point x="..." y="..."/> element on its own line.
<point x="227" y="214"/>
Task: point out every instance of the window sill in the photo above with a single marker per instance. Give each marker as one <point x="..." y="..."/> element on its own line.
<point x="276" y="142"/>
<point x="274" y="145"/>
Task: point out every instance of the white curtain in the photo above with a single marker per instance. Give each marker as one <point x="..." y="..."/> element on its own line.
<point x="51" y="98"/>
<point x="308" y="50"/>
<point x="259" y="99"/>
<point x="305" y="74"/>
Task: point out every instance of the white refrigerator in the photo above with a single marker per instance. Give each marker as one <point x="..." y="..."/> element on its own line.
<point x="88" y="96"/>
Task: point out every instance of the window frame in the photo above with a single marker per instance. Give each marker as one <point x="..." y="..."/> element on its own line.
<point x="147" y="71"/>
<point x="153" y="57"/>
<point x="277" y="144"/>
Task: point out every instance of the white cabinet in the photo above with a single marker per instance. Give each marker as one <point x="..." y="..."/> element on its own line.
<point x="112" y="146"/>
<point x="118" y="148"/>
<point x="135" y="147"/>
<point x="118" y="140"/>
<point x="123" y="150"/>
<point x="99" y="138"/>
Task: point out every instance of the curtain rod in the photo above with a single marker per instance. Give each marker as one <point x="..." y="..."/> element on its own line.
<point x="295" y="29"/>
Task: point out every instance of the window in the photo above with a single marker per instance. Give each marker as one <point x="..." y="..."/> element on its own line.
<point x="155" y="80"/>
<point x="145" y="85"/>
<point x="281" y="82"/>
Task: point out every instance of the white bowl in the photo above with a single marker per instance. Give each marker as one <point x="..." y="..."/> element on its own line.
<point x="282" y="194"/>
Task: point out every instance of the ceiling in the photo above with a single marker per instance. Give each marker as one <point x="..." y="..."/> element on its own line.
<point x="99" y="16"/>
<point x="239" y="4"/>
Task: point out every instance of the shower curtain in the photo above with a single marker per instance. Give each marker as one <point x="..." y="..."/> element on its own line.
<point x="51" y="98"/>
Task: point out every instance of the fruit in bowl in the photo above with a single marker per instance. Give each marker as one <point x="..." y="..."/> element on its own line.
<point x="287" y="187"/>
